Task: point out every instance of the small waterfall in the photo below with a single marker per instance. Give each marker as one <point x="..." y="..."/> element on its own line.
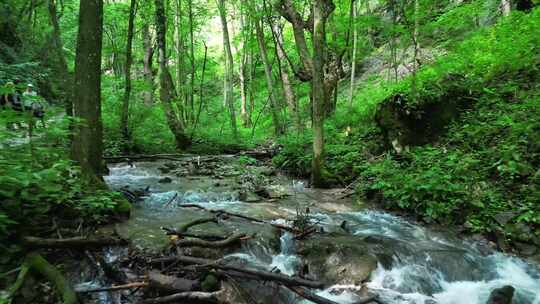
<point x="286" y="261"/>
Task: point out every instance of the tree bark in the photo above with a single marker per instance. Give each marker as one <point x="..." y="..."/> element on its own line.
<point x="288" y="90"/>
<point x="353" y="59"/>
<point x="179" y="41"/>
<point x="58" y="47"/>
<point x="229" y="70"/>
<point x="87" y="145"/>
<point x="319" y="96"/>
<point x="244" y="113"/>
<point x="274" y="108"/>
<point x="148" y="95"/>
<point x="166" y="86"/>
<point x="192" y="61"/>
<point x="129" y="59"/>
<point x="506" y="7"/>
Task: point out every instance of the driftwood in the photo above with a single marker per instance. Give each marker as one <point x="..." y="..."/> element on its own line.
<point x="209" y="297"/>
<point x="259" y="274"/>
<point x="235" y="238"/>
<point x="72" y="243"/>
<point x="219" y="212"/>
<point x="38" y="263"/>
<point x="169" y="283"/>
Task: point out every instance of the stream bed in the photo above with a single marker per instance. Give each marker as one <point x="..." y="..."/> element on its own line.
<point x="360" y="249"/>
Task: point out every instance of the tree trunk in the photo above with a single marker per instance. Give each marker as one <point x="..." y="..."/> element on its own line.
<point x="416" y="48"/>
<point x="129" y="59"/>
<point x="353" y="59"/>
<point x="288" y="91"/>
<point x="192" y="59"/>
<point x="147" y="65"/>
<point x="506" y="7"/>
<point x="229" y="70"/>
<point x="166" y="86"/>
<point x="179" y="41"/>
<point x="318" y="91"/>
<point x="274" y="109"/>
<point x="58" y="47"/>
<point x="244" y="115"/>
<point x="87" y="145"/>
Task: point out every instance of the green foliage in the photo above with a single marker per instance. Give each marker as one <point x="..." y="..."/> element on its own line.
<point x="38" y="181"/>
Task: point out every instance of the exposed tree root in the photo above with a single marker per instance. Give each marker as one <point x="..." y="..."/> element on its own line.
<point x="36" y="262"/>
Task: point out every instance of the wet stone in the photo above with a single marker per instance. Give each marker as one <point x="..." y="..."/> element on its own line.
<point x="165" y="180"/>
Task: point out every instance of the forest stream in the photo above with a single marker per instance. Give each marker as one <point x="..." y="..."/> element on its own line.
<point x="400" y="261"/>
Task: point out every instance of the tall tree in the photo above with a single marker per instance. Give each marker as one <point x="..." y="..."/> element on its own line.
<point x="323" y="74"/>
<point x="62" y="66"/>
<point x="318" y="93"/>
<point x="148" y="94"/>
<point x="229" y="69"/>
<point x="166" y="86"/>
<point x="87" y="145"/>
<point x="286" y="81"/>
<point x="129" y="59"/>
<point x="354" y="50"/>
<point x="274" y="107"/>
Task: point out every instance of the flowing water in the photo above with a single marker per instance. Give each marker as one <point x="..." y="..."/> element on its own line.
<point x="416" y="265"/>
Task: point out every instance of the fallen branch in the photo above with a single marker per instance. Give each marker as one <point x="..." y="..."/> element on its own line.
<point x="210" y="244"/>
<point x="72" y="243"/>
<point x="39" y="264"/>
<point x="207" y="237"/>
<point x="260" y="274"/>
<point x="219" y="212"/>
<point x="310" y="296"/>
<point x="212" y="297"/>
<point x="115" y="287"/>
<point x="196" y="222"/>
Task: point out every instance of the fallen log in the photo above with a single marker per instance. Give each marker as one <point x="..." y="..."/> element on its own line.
<point x="211" y="297"/>
<point x="219" y="212"/>
<point x="260" y="274"/>
<point x="72" y="243"/>
<point x="310" y="296"/>
<point x="36" y="262"/>
<point x="169" y="283"/>
<point x="207" y="237"/>
<point x="211" y="244"/>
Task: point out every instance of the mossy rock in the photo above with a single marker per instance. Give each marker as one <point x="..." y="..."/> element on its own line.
<point x="210" y="283"/>
<point x="335" y="259"/>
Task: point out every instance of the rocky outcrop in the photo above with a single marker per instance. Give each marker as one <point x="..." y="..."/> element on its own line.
<point x="406" y="122"/>
<point x="334" y="259"/>
<point x="501" y="295"/>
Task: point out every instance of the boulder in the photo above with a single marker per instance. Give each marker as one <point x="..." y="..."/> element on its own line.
<point x="335" y="259"/>
<point x="501" y="295"/>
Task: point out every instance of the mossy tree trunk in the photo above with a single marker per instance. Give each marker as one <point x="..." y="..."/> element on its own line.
<point x="129" y="59"/>
<point x="87" y="145"/>
<point x="167" y="92"/>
